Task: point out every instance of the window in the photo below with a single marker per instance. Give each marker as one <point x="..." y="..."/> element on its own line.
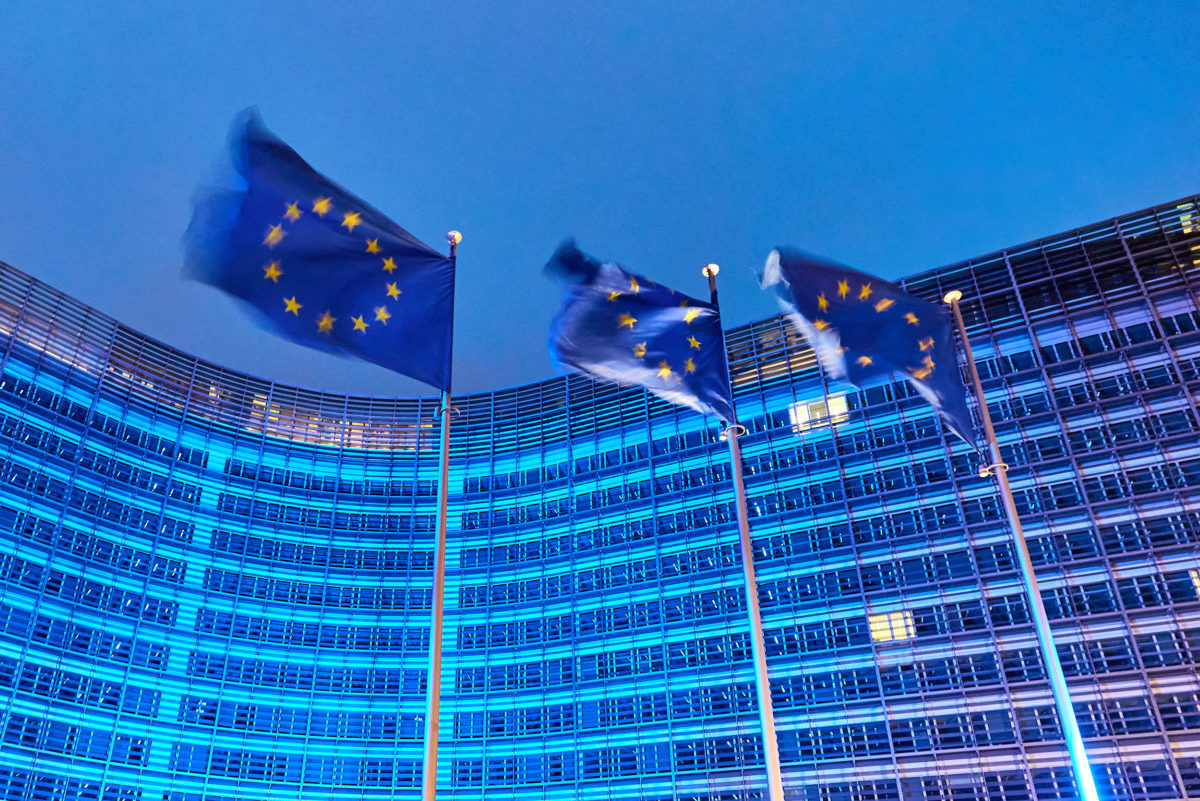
<point x="830" y="410"/>
<point x="888" y="626"/>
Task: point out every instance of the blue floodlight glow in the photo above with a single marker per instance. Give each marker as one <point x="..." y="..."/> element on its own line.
<point x="217" y="588"/>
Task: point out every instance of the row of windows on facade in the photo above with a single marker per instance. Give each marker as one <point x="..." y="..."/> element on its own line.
<point x="310" y="482"/>
<point x="1125" y="781"/>
<point x="303" y="593"/>
<point x="308" y="517"/>
<point x="804" y="691"/>
<point x="983" y="508"/>
<point x="968" y="731"/>
<point x="1145" y="780"/>
<point x="302" y="721"/>
<point x="92" y="548"/>
<point x="353" y="559"/>
<point x="702" y="755"/>
<point x="311" y="769"/>
<point x="302" y="516"/>
<point x="38" y="484"/>
<point x="24" y="784"/>
<point x="1155" y="650"/>
<point x="319" y="678"/>
<point x="65" y="686"/>
<point x="1097" y="488"/>
<point x="83" y="416"/>
<point x="850" y="685"/>
<point x="84" y="593"/>
<point x="1137" y="333"/>
<point x="1106" y="717"/>
<point x="324" y="635"/>
<point x="24" y="626"/>
<point x="101" y="552"/>
<point x="632" y="792"/>
<point x="802" y="416"/>
<point x="1176" y="423"/>
<point x="944" y="730"/>
<point x="1158" y="649"/>
<point x="1134" y="592"/>
<point x="44" y="443"/>
<point x="695" y="756"/>
<point x="654" y="569"/>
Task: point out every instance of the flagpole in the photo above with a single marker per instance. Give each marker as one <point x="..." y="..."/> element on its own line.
<point x="433" y="681"/>
<point x="762" y="682"/>
<point x="1058" y="682"/>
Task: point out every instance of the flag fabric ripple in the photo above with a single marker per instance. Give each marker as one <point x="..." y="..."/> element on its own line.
<point x="319" y="265"/>
<point x="621" y="327"/>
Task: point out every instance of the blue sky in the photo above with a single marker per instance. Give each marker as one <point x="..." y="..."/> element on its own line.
<point x="893" y="137"/>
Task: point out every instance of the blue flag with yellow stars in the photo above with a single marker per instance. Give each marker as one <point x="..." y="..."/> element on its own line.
<point x="862" y="326"/>
<point x="319" y="265"/>
<point x="621" y="327"/>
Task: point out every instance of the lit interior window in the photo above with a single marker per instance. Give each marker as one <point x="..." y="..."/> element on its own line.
<point x="1187" y="220"/>
<point x="1195" y="574"/>
<point x="830" y="410"/>
<point x="888" y="626"/>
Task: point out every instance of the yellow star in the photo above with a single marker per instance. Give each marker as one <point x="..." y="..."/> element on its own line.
<point x="912" y="318"/>
<point x="864" y="360"/>
<point x="290" y="305"/>
<point x="381" y="314"/>
<point x="614" y="295"/>
<point x="928" y="362"/>
<point x="690" y="314"/>
<point x="639" y="350"/>
<point x="351" y="219"/>
<point x="664" y="370"/>
<point x="322" y="205"/>
<point x="393" y="291"/>
<point x="820" y="325"/>
<point x="359" y="325"/>
<point x="822" y="303"/>
<point x="633" y="286"/>
<point x="325" y="322"/>
<point x="926" y="343"/>
<point x="389" y="264"/>
<point x="865" y="292"/>
<point x="293" y="212"/>
<point x="372" y="245"/>
<point x="272" y="272"/>
<point x="843" y="289"/>
<point x="626" y="320"/>
<point x="695" y="343"/>
<point x="884" y="304"/>
<point x="919" y="372"/>
<point x="274" y="236"/>
<point x="689" y="365"/>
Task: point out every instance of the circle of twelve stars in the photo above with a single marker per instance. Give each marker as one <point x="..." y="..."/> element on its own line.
<point x="272" y="270"/>
<point x="882" y="305"/>
<point x="639" y="349"/>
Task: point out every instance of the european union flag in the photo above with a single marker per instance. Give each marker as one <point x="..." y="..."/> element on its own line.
<point x="862" y="326"/>
<point x="321" y="266"/>
<point x="621" y="327"/>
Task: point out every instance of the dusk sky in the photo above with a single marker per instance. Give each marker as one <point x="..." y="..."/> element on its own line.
<point x="892" y="137"/>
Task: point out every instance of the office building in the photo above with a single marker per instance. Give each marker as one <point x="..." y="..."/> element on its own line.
<point x="215" y="587"/>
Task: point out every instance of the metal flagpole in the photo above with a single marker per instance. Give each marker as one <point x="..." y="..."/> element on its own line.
<point x="762" y="683"/>
<point x="433" y="682"/>
<point x="1058" y="682"/>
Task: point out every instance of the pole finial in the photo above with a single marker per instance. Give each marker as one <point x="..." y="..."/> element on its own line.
<point x="709" y="270"/>
<point x="953" y="296"/>
<point x="454" y="238"/>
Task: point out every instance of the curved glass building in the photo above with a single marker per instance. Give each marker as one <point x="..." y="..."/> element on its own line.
<point x="215" y="587"/>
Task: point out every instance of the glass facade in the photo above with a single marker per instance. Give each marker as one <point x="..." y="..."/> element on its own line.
<point x="216" y="588"/>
